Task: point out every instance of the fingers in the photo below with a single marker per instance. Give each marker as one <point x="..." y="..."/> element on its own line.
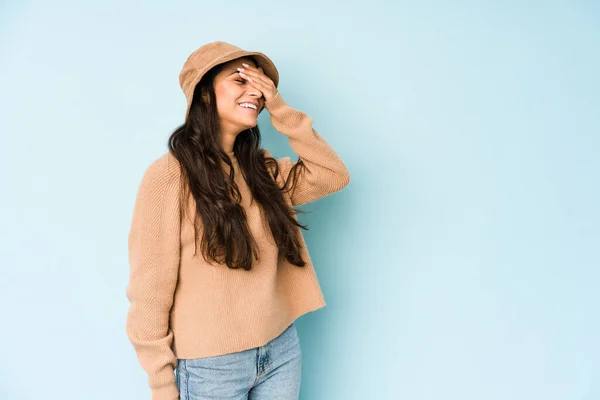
<point x="253" y="80"/>
<point x="257" y="82"/>
<point x="254" y="72"/>
<point x="257" y="78"/>
<point x="253" y="75"/>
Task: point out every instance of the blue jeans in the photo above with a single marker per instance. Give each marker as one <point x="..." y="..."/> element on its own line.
<point x="271" y="371"/>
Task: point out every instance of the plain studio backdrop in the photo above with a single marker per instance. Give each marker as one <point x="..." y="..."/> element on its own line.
<point x="462" y="260"/>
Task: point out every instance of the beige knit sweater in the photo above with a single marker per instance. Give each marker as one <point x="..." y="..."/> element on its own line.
<point x="184" y="307"/>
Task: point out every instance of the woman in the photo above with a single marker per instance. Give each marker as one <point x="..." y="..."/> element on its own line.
<point x="219" y="269"/>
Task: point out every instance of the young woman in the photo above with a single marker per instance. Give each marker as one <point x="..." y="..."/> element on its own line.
<point x="219" y="269"/>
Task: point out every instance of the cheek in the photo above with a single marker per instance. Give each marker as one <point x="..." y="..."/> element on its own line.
<point x="228" y="109"/>
<point x="227" y="98"/>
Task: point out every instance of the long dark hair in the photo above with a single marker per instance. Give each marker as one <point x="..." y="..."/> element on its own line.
<point x="226" y="237"/>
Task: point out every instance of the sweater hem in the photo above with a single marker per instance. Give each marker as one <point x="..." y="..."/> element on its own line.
<point x="183" y="355"/>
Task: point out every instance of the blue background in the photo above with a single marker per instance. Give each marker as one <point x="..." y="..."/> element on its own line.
<point x="462" y="260"/>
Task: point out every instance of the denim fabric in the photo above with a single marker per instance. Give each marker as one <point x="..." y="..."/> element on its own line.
<point x="269" y="372"/>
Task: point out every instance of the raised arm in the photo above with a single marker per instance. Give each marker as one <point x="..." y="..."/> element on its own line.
<point x="154" y="264"/>
<point x="325" y="173"/>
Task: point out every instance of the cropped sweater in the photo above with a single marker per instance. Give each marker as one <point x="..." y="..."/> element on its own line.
<point x="182" y="306"/>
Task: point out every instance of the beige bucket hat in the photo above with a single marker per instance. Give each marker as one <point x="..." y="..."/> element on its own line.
<point x="212" y="54"/>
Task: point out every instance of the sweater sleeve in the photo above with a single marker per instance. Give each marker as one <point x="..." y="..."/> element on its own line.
<point x="153" y="245"/>
<point x="325" y="173"/>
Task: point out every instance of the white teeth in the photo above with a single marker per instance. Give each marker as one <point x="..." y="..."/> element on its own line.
<point x="248" y="105"/>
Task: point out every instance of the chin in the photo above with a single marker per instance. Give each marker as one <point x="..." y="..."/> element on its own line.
<point x="248" y="125"/>
<point x="244" y="127"/>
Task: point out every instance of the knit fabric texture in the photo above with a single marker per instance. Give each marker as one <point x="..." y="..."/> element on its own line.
<point x="182" y="306"/>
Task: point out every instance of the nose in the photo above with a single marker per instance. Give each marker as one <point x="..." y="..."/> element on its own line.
<point x="255" y="92"/>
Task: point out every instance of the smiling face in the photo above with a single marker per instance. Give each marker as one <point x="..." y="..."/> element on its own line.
<point x="231" y="90"/>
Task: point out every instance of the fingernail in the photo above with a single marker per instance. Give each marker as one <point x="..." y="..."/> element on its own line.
<point x="245" y="65"/>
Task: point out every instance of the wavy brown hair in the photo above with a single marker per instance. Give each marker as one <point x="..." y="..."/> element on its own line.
<point x="226" y="237"/>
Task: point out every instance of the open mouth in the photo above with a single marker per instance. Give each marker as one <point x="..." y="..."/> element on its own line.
<point x="249" y="109"/>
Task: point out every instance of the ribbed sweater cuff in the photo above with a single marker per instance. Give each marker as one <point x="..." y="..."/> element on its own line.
<point x="289" y="121"/>
<point x="275" y="104"/>
<point x="169" y="392"/>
